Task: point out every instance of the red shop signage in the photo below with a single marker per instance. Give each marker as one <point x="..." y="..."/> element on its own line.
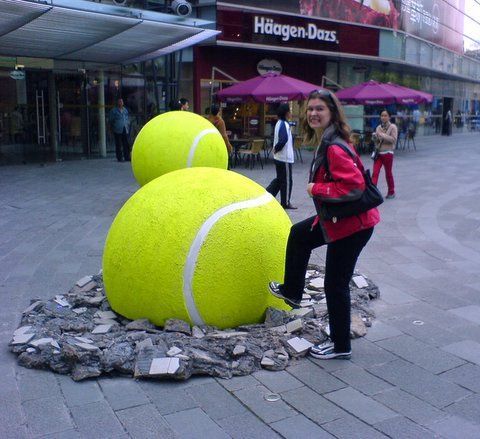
<point x="296" y="32"/>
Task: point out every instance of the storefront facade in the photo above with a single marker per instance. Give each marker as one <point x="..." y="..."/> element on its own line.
<point x="340" y="44"/>
<point x="64" y="64"/>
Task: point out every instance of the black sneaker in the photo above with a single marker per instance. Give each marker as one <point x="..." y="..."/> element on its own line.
<point x="326" y="351"/>
<point x="290" y="207"/>
<point x="276" y="290"/>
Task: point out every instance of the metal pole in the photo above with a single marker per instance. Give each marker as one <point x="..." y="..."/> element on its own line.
<point x="102" y="135"/>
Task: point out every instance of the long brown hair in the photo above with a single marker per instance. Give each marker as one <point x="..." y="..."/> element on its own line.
<point x="338" y="118"/>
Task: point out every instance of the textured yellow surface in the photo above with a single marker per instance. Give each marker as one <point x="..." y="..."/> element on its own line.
<point x="148" y="243"/>
<point x="164" y="144"/>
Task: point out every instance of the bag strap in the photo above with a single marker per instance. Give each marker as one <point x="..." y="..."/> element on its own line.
<point x="340" y="142"/>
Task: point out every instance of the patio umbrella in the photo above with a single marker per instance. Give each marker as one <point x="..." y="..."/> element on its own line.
<point x="267" y="88"/>
<point x="378" y="93"/>
<point x="427" y="97"/>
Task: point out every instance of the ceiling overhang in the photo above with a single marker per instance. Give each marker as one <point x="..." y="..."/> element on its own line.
<point x="79" y="30"/>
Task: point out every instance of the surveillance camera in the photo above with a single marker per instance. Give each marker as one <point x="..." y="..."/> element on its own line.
<point x="181" y="7"/>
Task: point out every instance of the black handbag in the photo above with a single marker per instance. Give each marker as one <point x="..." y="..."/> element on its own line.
<point x="370" y="198"/>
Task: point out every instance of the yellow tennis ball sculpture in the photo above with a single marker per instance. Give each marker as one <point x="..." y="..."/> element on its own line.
<point x="198" y="244"/>
<point x="176" y="140"/>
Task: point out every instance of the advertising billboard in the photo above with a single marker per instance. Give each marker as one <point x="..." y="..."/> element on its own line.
<point x="438" y="21"/>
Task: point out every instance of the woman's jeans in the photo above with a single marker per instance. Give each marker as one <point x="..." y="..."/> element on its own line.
<point x="340" y="263"/>
<point x="385" y="160"/>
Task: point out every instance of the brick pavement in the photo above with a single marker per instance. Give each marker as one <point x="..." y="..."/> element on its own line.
<point x="416" y="373"/>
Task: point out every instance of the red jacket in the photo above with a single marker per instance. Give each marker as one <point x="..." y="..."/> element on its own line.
<point x="343" y="183"/>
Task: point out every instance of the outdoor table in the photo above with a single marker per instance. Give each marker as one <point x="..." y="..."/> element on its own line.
<point x="237" y="145"/>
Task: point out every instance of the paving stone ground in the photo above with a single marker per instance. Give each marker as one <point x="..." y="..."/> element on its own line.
<point x="416" y="373"/>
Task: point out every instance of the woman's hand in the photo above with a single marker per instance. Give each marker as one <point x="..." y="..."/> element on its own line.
<point x="310" y="188"/>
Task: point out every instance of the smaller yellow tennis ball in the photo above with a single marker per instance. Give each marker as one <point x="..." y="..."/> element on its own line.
<point x="198" y="244"/>
<point x="176" y="140"/>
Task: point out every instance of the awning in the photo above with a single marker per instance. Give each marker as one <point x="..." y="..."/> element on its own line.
<point x="81" y="30"/>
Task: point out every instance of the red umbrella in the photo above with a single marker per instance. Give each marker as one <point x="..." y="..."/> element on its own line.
<point x="267" y="89"/>
<point x="377" y="93"/>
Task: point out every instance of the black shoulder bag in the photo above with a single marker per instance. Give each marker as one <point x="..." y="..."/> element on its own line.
<point x="370" y="198"/>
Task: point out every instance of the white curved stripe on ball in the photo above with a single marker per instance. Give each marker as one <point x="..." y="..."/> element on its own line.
<point x="197" y="139"/>
<point x="196" y="246"/>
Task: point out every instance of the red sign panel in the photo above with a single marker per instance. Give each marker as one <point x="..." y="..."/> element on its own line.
<point x="296" y="32"/>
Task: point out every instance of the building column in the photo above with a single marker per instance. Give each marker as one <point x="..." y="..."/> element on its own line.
<point x="102" y="135"/>
<point x="53" y="115"/>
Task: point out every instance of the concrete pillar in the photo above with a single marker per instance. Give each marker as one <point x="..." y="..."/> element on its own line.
<point x="102" y="135"/>
<point x="53" y="115"/>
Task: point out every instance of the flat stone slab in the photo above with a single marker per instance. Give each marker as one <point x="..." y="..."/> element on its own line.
<point x="360" y="281"/>
<point x="300" y="345"/>
<point x="102" y="329"/>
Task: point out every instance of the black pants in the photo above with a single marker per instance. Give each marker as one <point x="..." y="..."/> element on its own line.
<point x="340" y="262"/>
<point x="122" y="145"/>
<point x="283" y="182"/>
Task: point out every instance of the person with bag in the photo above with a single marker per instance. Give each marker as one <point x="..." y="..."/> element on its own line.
<point x="336" y="178"/>
<point x="386" y="139"/>
<point x="283" y="156"/>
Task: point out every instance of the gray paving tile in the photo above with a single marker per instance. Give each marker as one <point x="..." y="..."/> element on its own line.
<point x="313" y="405"/>
<point x="215" y="401"/>
<point x="467" y="408"/>
<point x="350" y="427"/>
<point x="419" y="382"/>
<point x="96" y="420"/>
<point x="122" y="393"/>
<point x="46" y="416"/>
<point x="79" y="392"/>
<point x="315" y="377"/>
<point x="361" y="380"/>
<point x="361" y="406"/>
<point x="470" y="312"/>
<point x="453" y="427"/>
<point x="467" y="376"/>
<point x="194" y="424"/>
<point x="299" y="427"/>
<point x="246" y="426"/>
<point x="403" y="428"/>
<point x="410" y="406"/>
<point x="381" y="331"/>
<point x="254" y="399"/>
<point x="66" y="434"/>
<point x="277" y="381"/>
<point x="421" y="354"/>
<point x="34" y="384"/>
<point x="366" y="353"/>
<point x="167" y="399"/>
<point x="237" y="383"/>
<point x="467" y="349"/>
<point x="144" y="422"/>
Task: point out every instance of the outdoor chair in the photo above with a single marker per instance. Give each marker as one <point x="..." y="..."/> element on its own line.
<point x="254" y="153"/>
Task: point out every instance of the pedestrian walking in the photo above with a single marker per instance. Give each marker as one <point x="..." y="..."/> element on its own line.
<point x="385" y="141"/>
<point x="283" y="158"/>
<point x="119" y="123"/>
<point x="335" y="176"/>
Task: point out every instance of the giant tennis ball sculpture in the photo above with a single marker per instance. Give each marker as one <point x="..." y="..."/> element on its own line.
<point x="176" y="140"/>
<point x="198" y="244"/>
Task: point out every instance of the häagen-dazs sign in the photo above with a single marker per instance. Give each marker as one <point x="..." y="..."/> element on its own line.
<point x="268" y="26"/>
<point x="269" y="66"/>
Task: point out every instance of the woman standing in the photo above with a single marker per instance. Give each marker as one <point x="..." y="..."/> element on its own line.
<point x="386" y="139"/>
<point x="216" y="119"/>
<point x="334" y="177"/>
<point x="283" y="158"/>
